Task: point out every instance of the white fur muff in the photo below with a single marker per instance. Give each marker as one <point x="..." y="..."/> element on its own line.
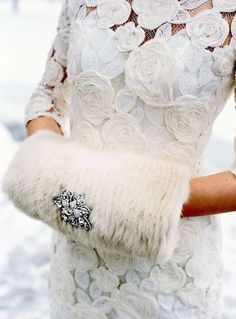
<point x="136" y="199"/>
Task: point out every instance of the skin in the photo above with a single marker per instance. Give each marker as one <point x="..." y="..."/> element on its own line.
<point x="209" y="195"/>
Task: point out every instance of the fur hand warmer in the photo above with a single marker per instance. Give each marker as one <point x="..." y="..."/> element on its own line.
<point x="135" y="200"/>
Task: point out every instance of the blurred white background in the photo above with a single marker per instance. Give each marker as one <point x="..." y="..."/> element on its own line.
<point x="27" y="28"/>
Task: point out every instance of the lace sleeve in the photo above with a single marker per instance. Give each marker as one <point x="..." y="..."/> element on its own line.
<point x="51" y="96"/>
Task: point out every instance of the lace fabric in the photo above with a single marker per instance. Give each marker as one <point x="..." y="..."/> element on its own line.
<point x="52" y="95"/>
<point x="192" y="7"/>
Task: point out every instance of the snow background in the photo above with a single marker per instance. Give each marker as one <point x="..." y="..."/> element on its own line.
<point x="25" y="37"/>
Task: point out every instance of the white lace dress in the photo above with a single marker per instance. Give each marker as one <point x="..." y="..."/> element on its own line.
<point x="154" y="75"/>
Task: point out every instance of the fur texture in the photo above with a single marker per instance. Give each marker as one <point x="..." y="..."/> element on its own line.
<point x="136" y="199"/>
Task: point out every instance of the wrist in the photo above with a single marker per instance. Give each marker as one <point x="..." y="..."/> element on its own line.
<point x="42" y="123"/>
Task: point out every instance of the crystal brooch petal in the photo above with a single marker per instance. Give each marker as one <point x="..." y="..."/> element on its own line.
<point x="73" y="209"/>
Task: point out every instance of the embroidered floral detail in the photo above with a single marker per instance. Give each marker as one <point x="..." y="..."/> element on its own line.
<point x="99" y="51"/>
<point x="86" y="258"/>
<point x="204" y="276"/>
<point x="189" y="242"/>
<point x="210" y="29"/>
<point x="192" y="296"/>
<point x="129" y="301"/>
<point x="117" y="264"/>
<point x="157" y="137"/>
<point x="95" y="96"/>
<point x="166" y="279"/>
<point x="147" y="72"/>
<point x="224" y="59"/>
<point x="122" y="131"/>
<point x="129" y="36"/>
<point x="105" y="280"/>
<point x="86" y="134"/>
<point x="187" y="119"/>
<point x="112" y="12"/>
<point x="153" y="13"/>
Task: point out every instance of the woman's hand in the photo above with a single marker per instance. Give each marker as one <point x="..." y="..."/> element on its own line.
<point x="42" y="122"/>
<point x="212" y="194"/>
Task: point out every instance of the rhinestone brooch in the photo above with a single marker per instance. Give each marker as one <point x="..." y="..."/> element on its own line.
<point x="73" y="209"/>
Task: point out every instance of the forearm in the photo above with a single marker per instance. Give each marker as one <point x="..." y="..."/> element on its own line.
<point x="211" y="194"/>
<point x="42" y="122"/>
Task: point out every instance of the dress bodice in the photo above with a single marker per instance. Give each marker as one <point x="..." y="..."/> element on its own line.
<point x="148" y="76"/>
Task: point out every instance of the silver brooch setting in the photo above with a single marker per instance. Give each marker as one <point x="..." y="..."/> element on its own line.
<point x="73" y="209"/>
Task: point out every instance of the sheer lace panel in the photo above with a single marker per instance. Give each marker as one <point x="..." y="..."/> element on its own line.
<point x="50" y="97"/>
<point x="150" y="34"/>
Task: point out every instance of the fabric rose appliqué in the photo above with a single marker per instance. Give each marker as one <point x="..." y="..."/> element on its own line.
<point x="112" y="12"/>
<point x="187" y="119"/>
<point x="224" y="59"/>
<point x="105" y="280"/>
<point x="117" y="264"/>
<point x="129" y="36"/>
<point x="129" y="301"/>
<point x="86" y="258"/>
<point x="204" y="277"/>
<point x="153" y="13"/>
<point x="95" y="96"/>
<point x="209" y="29"/>
<point x="123" y="131"/>
<point x="99" y="51"/>
<point x="148" y="70"/>
<point x="165" y="279"/>
<point x="86" y="134"/>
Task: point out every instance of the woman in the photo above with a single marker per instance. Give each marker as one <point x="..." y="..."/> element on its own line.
<point x="165" y="100"/>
